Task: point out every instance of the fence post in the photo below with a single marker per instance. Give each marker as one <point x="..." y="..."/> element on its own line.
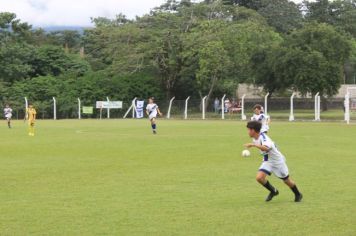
<point x="186" y="108"/>
<point x="26" y="107"/>
<point x="223" y="107"/>
<point x="316" y="106"/>
<point x="79" y="109"/>
<point x="108" y="109"/>
<point x="266" y="100"/>
<point x="203" y="108"/>
<point x="319" y="107"/>
<point x="54" y="109"/>
<point x="133" y="106"/>
<point x="291" y="116"/>
<point x="169" y="108"/>
<point x="243" y="116"/>
<point x="347" y="107"/>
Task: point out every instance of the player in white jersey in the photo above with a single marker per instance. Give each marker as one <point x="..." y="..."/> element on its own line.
<point x="152" y="111"/>
<point x="260" y="116"/>
<point x="8" y="115"/>
<point x="273" y="161"/>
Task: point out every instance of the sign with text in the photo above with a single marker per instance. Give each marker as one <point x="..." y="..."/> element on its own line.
<point x="109" y="105"/>
<point x="88" y="110"/>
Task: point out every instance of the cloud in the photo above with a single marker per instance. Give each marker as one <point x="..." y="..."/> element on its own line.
<point x="75" y="12"/>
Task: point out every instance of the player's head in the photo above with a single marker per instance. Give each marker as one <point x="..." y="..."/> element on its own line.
<point x="151" y="100"/>
<point x="254" y="128"/>
<point x="30" y="105"/>
<point x="7" y="105"/>
<point x="257" y="109"/>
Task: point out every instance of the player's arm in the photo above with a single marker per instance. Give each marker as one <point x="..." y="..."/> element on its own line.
<point x="147" y="112"/>
<point x="159" y="112"/>
<point x="263" y="148"/>
<point x="268" y="120"/>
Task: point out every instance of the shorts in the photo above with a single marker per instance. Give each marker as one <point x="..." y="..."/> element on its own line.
<point x="278" y="169"/>
<point x="8" y="117"/>
<point x="152" y="117"/>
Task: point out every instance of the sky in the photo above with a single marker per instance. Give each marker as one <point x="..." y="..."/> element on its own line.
<point x="75" y="12"/>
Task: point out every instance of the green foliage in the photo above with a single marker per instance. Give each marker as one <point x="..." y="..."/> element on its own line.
<point x="339" y="13"/>
<point x="310" y="60"/>
<point x="15" y="61"/>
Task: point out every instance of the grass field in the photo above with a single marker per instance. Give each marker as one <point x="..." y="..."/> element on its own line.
<point x="113" y="177"/>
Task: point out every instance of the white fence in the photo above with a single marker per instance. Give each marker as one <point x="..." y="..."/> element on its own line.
<point x="289" y="109"/>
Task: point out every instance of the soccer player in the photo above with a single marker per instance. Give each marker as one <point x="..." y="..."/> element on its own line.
<point x="31" y="116"/>
<point x="273" y="162"/>
<point x="152" y="110"/>
<point x="8" y="115"/>
<point x="260" y="116"/>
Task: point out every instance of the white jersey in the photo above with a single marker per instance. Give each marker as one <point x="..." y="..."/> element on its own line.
<point x="8" y="112"/>
<point x="273" y="155"/>
<point x="152" y="110"/>
<point x="263" y="119"/>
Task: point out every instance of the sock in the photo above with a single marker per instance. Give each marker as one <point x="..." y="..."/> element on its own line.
<point x="154" y="126"/>
<point x="268" y="186"/>
<point x="295" y="190"/>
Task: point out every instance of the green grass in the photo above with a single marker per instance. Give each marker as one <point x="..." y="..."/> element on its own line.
<point x="279" y="115"/>
<point x="94" y="177"/>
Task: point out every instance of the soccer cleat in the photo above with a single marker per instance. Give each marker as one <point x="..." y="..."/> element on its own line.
<point x="154" y="132"/>
<point x="298" y="198"/>
<point x="272" y="195"/>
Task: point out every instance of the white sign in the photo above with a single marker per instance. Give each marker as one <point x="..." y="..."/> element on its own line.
<point x="109" y="105"/>
<point x="139" y="109"/>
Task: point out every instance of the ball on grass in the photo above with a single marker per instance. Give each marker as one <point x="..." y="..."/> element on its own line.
<point x="246" y="153"/>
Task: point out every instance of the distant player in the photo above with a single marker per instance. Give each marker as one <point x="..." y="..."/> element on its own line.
<point x="8" y="115"/>
<point x="31" y="116"/>
<point x="260" y="116"/>
<point x="273" y="162"/>
<point x="152" y="110"/>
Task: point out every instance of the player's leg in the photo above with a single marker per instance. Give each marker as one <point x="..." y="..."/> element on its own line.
<point x="153" y="125"/>
<point x="29" y="129"/>
<point x="291" y="184"/>
<point x="261" y="178"/>
<point x="281" y="171"/>
<point x="33" y="129"/>
<point x="9" y="122"/>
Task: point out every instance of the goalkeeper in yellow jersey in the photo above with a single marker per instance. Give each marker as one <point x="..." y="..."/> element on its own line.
<point x="31" y="116"/>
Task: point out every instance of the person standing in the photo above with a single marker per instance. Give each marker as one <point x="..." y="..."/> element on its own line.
<point x="8" y="115"/>
<point x="152" y="110"/>
<point x="31" y="116"/>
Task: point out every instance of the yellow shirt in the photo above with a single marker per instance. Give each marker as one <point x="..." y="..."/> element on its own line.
<point x="31" y="112"/>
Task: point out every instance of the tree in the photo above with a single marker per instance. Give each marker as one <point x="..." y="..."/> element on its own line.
<point x="283" y="15"/>
<point x="15" y="61"/>
<point x="13" y="29"/>
<point x="323" y="38"/>
<point x="339" y="13"/>
<point x="213" y="66"/>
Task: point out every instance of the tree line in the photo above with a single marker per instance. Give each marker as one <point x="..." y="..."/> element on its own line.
<point x="183" y="48"/>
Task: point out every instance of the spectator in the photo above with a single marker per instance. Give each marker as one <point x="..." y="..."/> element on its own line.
<point x="216" y="105"/>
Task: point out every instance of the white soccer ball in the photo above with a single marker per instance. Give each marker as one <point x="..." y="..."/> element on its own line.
<point x="246" y="153"/>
